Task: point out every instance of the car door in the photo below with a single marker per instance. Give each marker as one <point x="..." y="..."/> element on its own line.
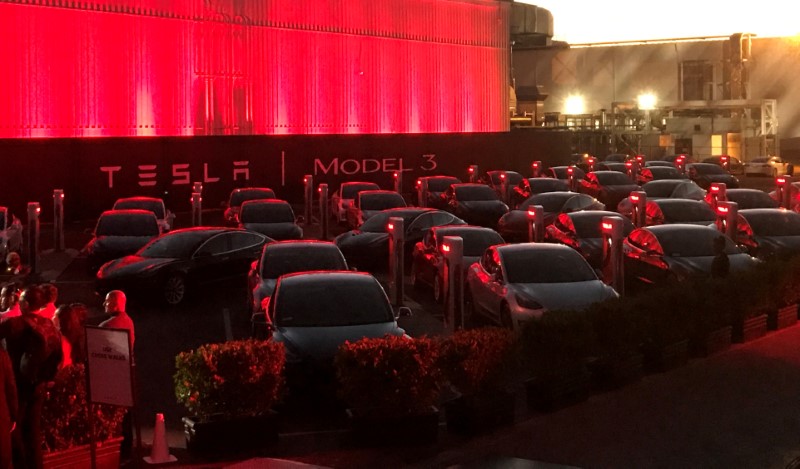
<point x="210" y="262"/>
<point x="245" y="247"/>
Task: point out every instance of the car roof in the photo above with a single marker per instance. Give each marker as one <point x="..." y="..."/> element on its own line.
<point x="445" y="228"/>
<point x="593" y="213"/>
<point x="676" y="202"/>
<point x="128" y="212"/>
<point x="242" y="189"/>
<point x="337" y="276"/>
<point x="517" y="247"/>
<point x="293" y="244"/>
<point x="438" y="176"/>
<point x="377" y="192"/>
<point x="767" y="211"/>
<point x="139" y="198"/>
<point x="265" y="202"/>
<point x="673" y="227"/>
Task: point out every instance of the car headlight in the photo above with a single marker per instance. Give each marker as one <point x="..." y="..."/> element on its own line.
<point x="526" y="302"/>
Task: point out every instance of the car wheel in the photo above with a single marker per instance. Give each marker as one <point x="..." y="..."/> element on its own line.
<point x="438" y="289"/>
<point x="174" y="289"/>
<point x="505" y="317"/>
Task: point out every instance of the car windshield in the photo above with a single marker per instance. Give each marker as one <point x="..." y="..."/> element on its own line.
<point x="127" y="225"/>
<point x="661" y="189"/>
<point x="441" y="184"/>
<point x="349" y="191"/>
<point x="546" y="266"/>
<point x="279" y="260"/>
<point x="155" y="206"/>
<point x="752" y="199"/>
<point x="692" y="243"/>
<point x="475" y="193"/>
<point x="475" y="241"/>
<point x="177" y="245"/>
<point x="551" y="202"/>
<point x="331" y="302"/>
<point x="687" y="212"/>
<point x="613" y="178"/>
<point x="774" y="224"/>
<point x="587" y="227"/>
<point x="381" y="201"/>
<point x="708" y="169"/>
<point x="377" y="223"/>
<point x="240" y="196"/>
<point x="267" y="213"/>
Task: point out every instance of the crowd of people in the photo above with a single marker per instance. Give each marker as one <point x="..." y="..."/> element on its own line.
<point x="39" y="338"/>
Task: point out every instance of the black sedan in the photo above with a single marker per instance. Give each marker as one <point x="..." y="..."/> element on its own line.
<point x="367" y="247"/>
<point x="706" y="173"/>
<point x="513" y="226"/>
<point x="436" y="186"/>
<point x="670" y="211"/>
<point x="609" y="187"/>
<point x="769" y="232"/>
<point x="582" y="232"/>
<point x="664" y="189"/>
<point x="658" y="254"/>
<point x="494" y="179"/>
<point x="532" y="186"/>
<point x="273" y="218"/>
<point x="659" y="173"/>
<point x="240" y="196"/>
<point x="119" y="233"/>
<point x="428" y="259"/>
<point x="176" y="262"/>
<point x="750" y="198"/>
<point x="477" y="204"/>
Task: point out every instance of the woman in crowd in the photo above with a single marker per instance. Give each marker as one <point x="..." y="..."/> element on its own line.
<point x="70" y="320"/>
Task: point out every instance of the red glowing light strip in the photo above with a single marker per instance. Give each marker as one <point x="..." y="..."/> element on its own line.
<point x="202" y="67"/>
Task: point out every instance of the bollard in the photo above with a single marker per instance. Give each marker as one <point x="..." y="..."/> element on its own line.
<point x="725" y="161"/>
<point x="197" y="187"/>
<point x="638" y="208"/>
<point x="728" y="219"/>
<point x="639" y="160"/>
<point x="680" y="163"/>
<point x="783" y="191"/>
<point x="504" y="187"/>
<point x="422" y="193"/>
<point x="197" y="209"/>
<point x="571" y="181"/>
<point x="308" y="197"/>
<point x="453" y="250"/>
<point x="633" y="170"/>
<point x="34" y="211"/>
<point x="58" y="220"/>
<point x="536" y="166"/>
<point x="535" y="224"/>
<point x="717" y="192"/>
<point x="613" y="260"/>
<point x="473" y="172"/>
<point x="590" y="162"/>
<point x="323" y="211"/>
<point x="396" y="232"/>
<point x="397" y="176"/>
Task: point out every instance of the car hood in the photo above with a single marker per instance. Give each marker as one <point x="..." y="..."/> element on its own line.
<point x="133" y="265"/>
<point x="111" y="244"/>
<point x="277" y="231"/>
<point x="572" y="295"/>
<point x="322" y="343"/>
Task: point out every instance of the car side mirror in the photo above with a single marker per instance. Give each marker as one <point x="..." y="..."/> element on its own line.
<point x="403" y="312"/>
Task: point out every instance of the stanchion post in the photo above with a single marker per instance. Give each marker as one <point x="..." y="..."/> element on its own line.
<point x="396" y="230"/>
<point x="197" y="209"/>
<point x="680" y="163"/>
<point x="58" y="220"/>
<point x="422" y="192"/>
<point x="536" y="168"/>
<point x="717" y="192"/>
<point x="197" y="186"/>
<point x="728" y="219"/>
<point x="571" y="181"/>
<point x="783" y="191"/>
<point x="613" y="261"/>
<point x="453" y="250"/>
<point x="590" y="162"/>
<point x="308" y="197"/>
<point x="725" y="161"/>
<point x="34" y="210"/>
<point x="633" y="169"/>
<point x="473" y="172"/>
<point x="504" y="187"/>
<point x="323" y="211"/>
<point x="397" y="176"/>
<point x="638" y="201"/>
<point x="535" y="224"/>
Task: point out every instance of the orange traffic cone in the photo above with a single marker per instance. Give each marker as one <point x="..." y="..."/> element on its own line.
<point x="159" y="454"/>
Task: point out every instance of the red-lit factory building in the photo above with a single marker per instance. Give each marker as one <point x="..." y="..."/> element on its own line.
<point x="111" y="98"/>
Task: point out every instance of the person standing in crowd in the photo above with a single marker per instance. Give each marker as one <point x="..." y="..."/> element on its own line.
<point x="34" y="346"/>
<point x="70" y="320"/>
<point x="8" y="408"/>
<point x="9" y="302"/>
<point x="50" y="293"/>
<point x="115" y="306"/>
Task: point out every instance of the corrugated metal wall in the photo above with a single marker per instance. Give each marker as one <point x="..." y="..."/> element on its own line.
<point x="203" y="67"/>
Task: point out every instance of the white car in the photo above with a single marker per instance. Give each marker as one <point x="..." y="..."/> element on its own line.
<point x="516" y="283"/>
<point x="766" y="166"/>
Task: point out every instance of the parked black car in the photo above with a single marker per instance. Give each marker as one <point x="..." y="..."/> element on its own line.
<point x="582" y="232"/>
<point x="367" y="247"/>
<point x="477" y="204"/>
<point x="437" y="185"/>
<point x="706" y="173"/>
<point x="750" y="198"/>
<point x="173" y="264"/>
<point x="240" y="196"/>
<point x="609" y="187"/>
<point x="513" y="226"/>
<point x="119" y="233"/>
<point x="273" y="218"/>
<point x="768" y="232"/>
<point x="532" y="186"/>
